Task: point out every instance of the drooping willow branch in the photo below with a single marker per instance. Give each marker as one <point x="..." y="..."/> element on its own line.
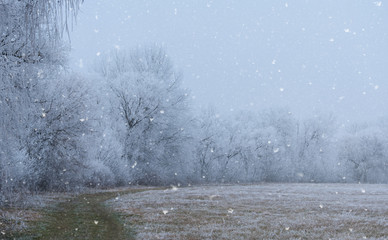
<point x="41" y="18"/>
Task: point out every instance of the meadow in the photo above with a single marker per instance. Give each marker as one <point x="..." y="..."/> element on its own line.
<point x="264" y="211"/>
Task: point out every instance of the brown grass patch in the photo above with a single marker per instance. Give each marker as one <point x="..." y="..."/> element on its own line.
<point x="267" y="211"/>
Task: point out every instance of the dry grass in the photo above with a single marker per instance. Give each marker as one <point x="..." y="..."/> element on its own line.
<point x="19" y="217"/>
<point x="65" y="216"/>
<point x="266" y="211"/>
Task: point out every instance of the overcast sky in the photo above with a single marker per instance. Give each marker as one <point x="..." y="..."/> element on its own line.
<point x="310" y="56"/>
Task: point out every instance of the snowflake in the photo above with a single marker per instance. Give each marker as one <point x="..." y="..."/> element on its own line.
<point x="378" y="3"/>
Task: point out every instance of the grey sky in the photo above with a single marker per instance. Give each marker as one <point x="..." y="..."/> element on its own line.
<point x="309" y="56"/>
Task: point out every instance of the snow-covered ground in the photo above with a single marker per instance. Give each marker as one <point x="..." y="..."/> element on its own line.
<point x="264" y="211"/>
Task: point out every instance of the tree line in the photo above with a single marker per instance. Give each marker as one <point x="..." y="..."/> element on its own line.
<point x="133" y="124"/>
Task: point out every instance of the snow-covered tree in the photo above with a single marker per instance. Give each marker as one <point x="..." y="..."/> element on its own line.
<point x="208" y="149"/>
<point x="363" y="155"/>
<point x="153" y="113"/>
<point x="30" y="50"/>
<point x="55" y="133"/>
<point x="313" y="149"/>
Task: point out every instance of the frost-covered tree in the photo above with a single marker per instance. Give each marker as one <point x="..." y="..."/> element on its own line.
<point x="313" y="149"/>
<point x="244" y="147"/>
<point x="364" y="156"/>
<point x="273" y="144"/>
<point x="31" y="33"/>
<point x="267" y="146"/>
<point x="30" y="50"/>
<point x="208" y="147"/>
<point x="54" y="136"/>
<point x="231" y="145"/>
<point x="153" y="114"/>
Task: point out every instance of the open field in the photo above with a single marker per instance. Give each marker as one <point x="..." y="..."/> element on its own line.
<point x="265" y="211"/>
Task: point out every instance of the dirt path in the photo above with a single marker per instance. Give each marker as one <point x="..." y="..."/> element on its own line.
<point x="83" y="217"/>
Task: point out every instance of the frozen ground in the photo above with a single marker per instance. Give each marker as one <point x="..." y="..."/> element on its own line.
<point x="264" y="211"/>
<point x="19" y="216"/>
